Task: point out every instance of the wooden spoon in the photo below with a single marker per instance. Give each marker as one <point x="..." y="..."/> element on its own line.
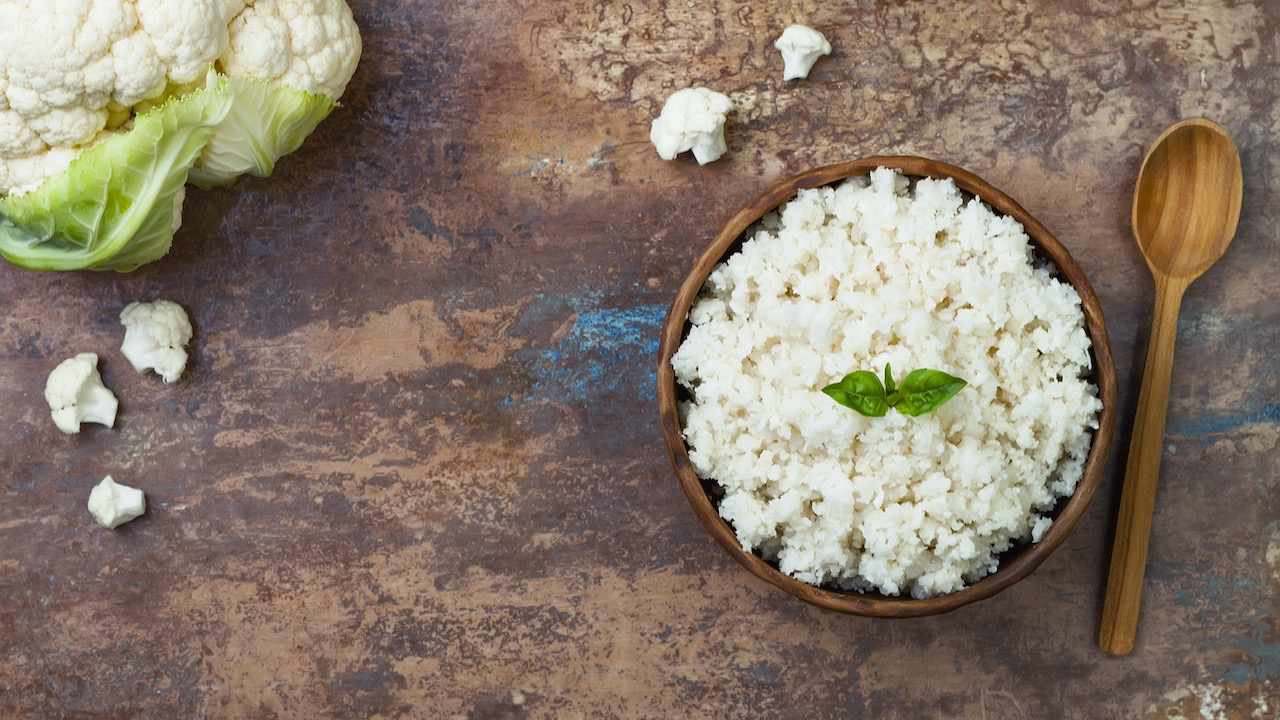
<point x="1185" y="211"/>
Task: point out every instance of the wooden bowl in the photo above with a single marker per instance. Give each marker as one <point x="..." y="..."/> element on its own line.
<point x="1016" y="563"/>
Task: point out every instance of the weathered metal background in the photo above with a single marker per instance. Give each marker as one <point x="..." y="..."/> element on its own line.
<point x="414" y="468"/>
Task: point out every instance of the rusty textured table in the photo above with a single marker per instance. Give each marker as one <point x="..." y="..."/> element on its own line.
<point x="414" y="468"/>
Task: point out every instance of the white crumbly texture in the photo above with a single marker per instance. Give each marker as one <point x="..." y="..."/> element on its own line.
<point x="850" y="278"/>
<point x="801" y="46"/>
<point x="113" y="504"/>
<point x="692" y="119"/>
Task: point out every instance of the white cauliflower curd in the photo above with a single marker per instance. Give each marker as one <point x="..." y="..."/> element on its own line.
<point x="74" y="72"/>
<point x="852" y="277"/>
<point x="155" y="337"/>
<point x="76" y="395"/>
<point x="692" y="119"/>
<point x="801" y="46"/>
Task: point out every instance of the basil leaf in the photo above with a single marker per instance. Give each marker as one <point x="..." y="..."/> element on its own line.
<point x="888" y="381"/>
<point x="925" y="390"/>
<point x="860" y="391"/>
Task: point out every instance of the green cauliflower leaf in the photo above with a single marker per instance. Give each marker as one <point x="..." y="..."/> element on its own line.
<point x="265" y="124"/>
<point x="118" y="203"/>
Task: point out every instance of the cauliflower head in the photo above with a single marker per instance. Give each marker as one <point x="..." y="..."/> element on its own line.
<point x="108" y="108"/>
<point x="155" y="337"/>
<point x="74" y="73"/>
<point x="76" y="394"/>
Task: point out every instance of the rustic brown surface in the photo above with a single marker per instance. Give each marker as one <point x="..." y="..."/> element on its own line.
<point x="414" y="469"/>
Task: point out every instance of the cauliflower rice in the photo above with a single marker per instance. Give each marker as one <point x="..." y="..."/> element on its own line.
<point x="848" y="278"/>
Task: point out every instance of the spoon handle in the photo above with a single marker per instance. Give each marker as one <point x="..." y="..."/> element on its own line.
<point x="1137" y="501"/>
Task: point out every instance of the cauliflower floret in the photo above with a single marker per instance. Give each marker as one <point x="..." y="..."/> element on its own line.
<point x="801" y="47"/>
<point x="310" y="45"/>
<point x="76" y="394"/>
<point x="57" y="60"/>
<point x="187" y="35"/>
<point x="17" y="137"/>
<point x="155" y="337"/>
<point x="692" y="119"/>
<point x="21" y="174"/>
<point x="113" y="504"/>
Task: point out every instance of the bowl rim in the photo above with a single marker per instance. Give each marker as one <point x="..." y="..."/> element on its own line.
<point x="1068" y="510"/>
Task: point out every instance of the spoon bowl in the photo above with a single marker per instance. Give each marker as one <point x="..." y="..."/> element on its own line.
<point x="1185" y="210"/>
<point x="1187" y="202"/>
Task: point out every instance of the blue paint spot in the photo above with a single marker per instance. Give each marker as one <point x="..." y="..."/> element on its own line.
<point x="599" y="328"/>
<point x="609" y="352"/>
<point x="762" y="672"/>
<point x="1196" y="585"/>
<point x="1217" y="424"/>
<point x="1237" y="674"/>
<point x="1217" y="600"/>
<point x="1262" y="659"/>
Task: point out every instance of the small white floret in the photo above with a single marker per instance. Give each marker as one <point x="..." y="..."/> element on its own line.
<point x="155" y="337"/>
<point x="76" y="394"/>
<point x="113" y="504"/>
<point x="801" y="47"/>
<point x="692" y="119"/>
